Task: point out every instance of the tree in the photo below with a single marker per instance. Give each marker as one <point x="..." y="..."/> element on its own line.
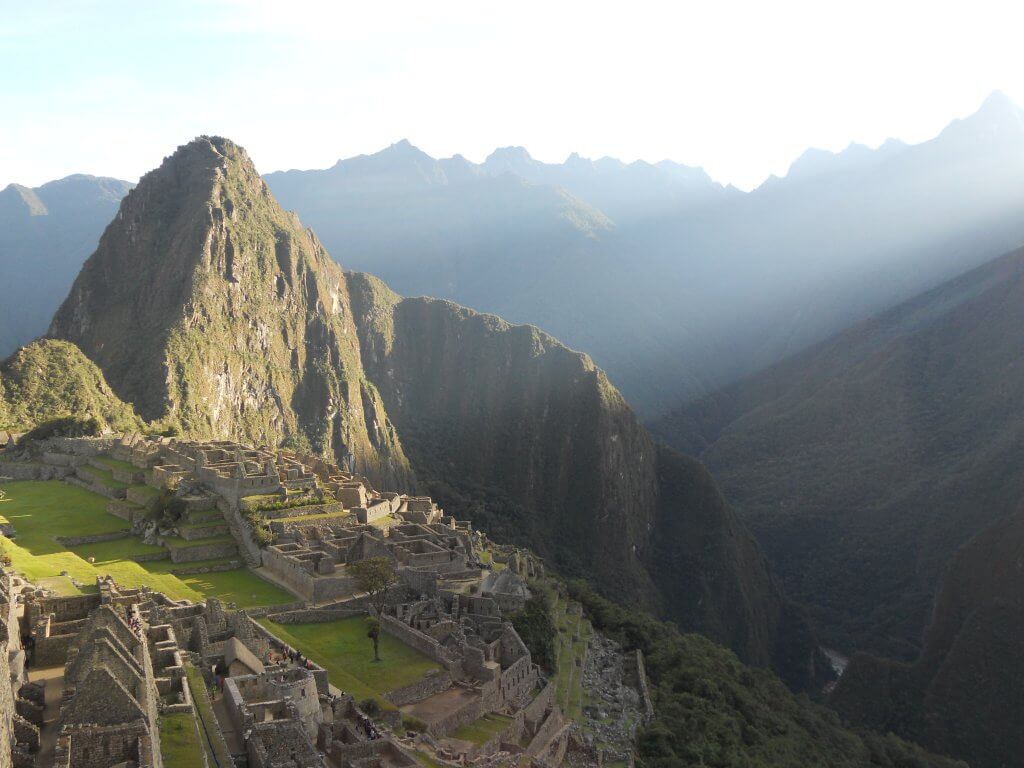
<point x="375" y="576"/>
<point x="374" y="634"/>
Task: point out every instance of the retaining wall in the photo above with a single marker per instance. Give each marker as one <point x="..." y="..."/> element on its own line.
<point x="422" y="689"/>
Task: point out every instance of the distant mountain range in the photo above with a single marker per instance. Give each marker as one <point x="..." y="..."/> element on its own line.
<point x="45" y="235"/>
<point x="676" y="285"/>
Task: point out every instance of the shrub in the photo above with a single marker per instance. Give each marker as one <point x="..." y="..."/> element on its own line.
<point x="536" y="628"/>
<point x="66" y="426"/>
<point x="261" y="531"/>
<point x="414" y="724"/>
<point x="169" y="510"/>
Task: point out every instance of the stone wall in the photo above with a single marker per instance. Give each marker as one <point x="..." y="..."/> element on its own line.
<point x="79" y="446"/>
<point x="421" y="642"/>
<point x="315" y="615"/>
<point x="150" y="557"/>
<point x="63" y="608"/>
<point x="300" y="511"/>
<point x="19" y="470"/>
<point x="313" y="587"/>
<point x="126" y="510"/>
<point x="140" y="497"/>
<point x="51" y="651"/>
<point x="636" y="675"/>
<point x="472" y="710"/>
<point x="430" y="685"/>
<point x="204" y="552"/>
<point x="187" y="571"/>
<point x="7" y="736"/>
<point x="240" y="530"/>
<point x="383" y="749"/>
<point x="96" y="538"/>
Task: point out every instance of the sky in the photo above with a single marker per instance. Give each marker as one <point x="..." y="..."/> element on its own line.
<point x="740" y="88"/>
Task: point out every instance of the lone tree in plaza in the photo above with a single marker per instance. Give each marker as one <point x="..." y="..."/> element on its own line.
<point x="375" y="576"/>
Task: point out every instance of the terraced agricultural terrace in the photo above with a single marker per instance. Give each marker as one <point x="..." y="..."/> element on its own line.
<point x="47" y="513"/>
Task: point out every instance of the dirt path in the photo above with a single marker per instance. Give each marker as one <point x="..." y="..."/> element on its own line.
<point x="54" y="680"/>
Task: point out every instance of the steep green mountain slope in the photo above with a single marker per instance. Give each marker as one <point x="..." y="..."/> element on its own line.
<point x="45" y="235"/>
<point x="963" y="696"/>
<point x="711" y="710"/>
<point x="49" y="379"/>
<point x="208" y="305"/>
<point x="864" y="463"/>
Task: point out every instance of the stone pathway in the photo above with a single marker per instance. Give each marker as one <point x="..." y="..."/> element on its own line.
<point x="233" y="739"/>
<point x="54" y="681"/>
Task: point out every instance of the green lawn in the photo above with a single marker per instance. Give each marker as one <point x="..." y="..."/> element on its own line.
<point x="147" y="490"/>
<point x="316" y="516"/>
<point x="179" y="741"/>
<point x="216" y="749"/>
<point x="343" y="649"/>
<point x="117" y="464"/>
<point x="42" y="510"/>
<point x="483" y="730"/>
<point x="174" y="542"/>
<point x="569" y="674"/>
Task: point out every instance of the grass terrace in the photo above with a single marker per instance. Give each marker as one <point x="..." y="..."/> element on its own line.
<point x="216" y="750"/>
<point x="174" y="542"/>
<point x="343" y="649"/>
<point x="484" y="729"/>
<point x="110" y="463"/>
<point x="179" y="741"/>
<point x="42" y="510"/>
<point x="574" y="633"/>
<point x="104" y="477"/>
<point x="317" y="516"/>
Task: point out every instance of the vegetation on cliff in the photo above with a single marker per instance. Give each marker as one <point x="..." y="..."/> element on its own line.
<point x="962" y="696"/>
<point x="711" y="710"/>
<point x="50" y="380"/>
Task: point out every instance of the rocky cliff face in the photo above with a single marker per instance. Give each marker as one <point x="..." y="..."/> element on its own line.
<point x="530" y="439"/>
<point x="208" y="305"/>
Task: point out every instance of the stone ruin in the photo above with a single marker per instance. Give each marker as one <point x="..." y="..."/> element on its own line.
<point x="134" y="646"/>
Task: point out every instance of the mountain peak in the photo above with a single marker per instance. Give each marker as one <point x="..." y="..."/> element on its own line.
<point x="997" y="118"/>
<point x="402" y="147"/>
<point x="508" y="159"/>
<point x="997" y="102"/>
